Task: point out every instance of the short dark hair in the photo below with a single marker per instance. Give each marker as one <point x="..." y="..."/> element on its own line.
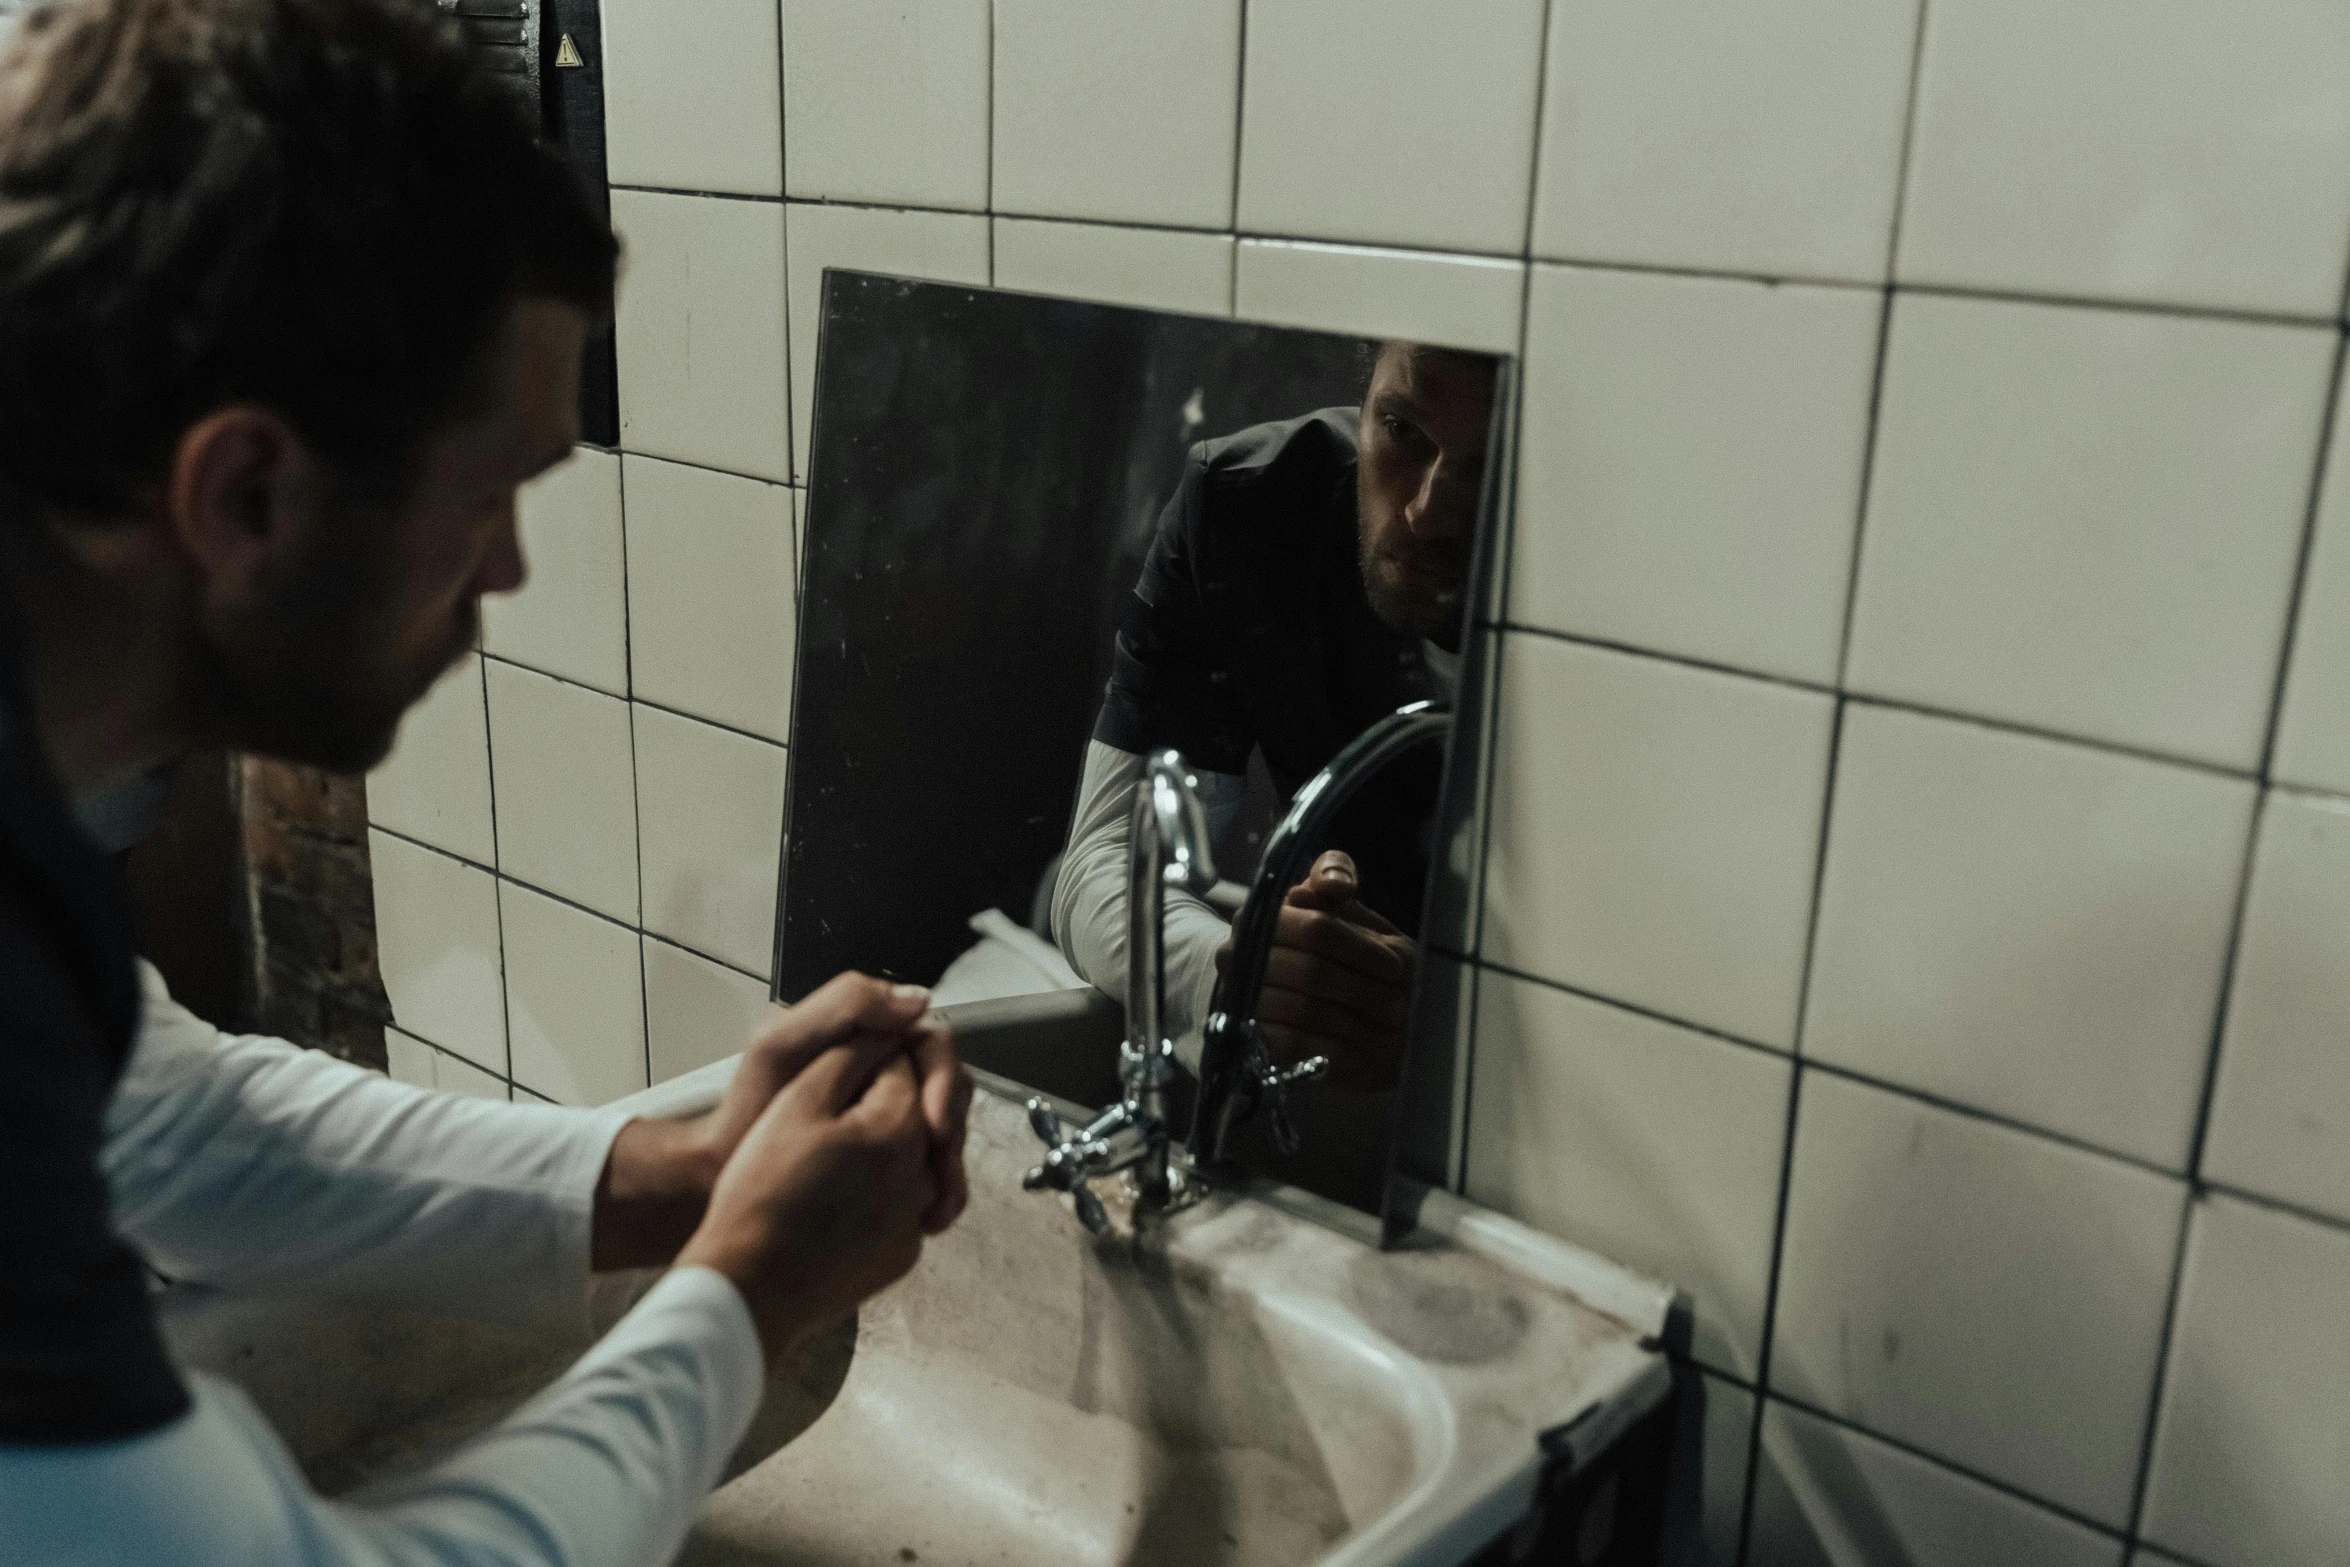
<point x="323" y="207"/>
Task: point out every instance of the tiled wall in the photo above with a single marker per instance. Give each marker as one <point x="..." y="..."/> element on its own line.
<point x="1918" y="902"/>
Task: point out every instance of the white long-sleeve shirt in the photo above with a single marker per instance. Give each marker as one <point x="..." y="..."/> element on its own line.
<point x="247" y="1164"/>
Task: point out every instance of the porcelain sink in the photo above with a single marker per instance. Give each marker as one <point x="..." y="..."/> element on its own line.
<point x="1240" y="1385"/>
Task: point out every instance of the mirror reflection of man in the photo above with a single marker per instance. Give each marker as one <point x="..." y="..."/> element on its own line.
<point x="1307" y="578"/>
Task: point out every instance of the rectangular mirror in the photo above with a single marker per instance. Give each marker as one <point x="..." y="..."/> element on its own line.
<point x="1044" y="538"/>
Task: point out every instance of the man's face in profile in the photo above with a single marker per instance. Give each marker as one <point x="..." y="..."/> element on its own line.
<point x="368" y="602"/>
<point x="1422" y="460"/>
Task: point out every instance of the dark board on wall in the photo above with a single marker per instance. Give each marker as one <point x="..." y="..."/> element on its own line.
<point x="985" y="472"/>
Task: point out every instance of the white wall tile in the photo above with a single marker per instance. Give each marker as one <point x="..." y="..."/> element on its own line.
<point x="2027" y="926"/>
<point x="1457" y="301"/>
<point x="2313" y="728"/>
<point x="1987" y="1296"/>
<point x="886" y="102"/>
<point x="571" y="617"/>
<point x="2088" y="520"/>
<point x="710" y="594"/>
<point x="416" y="1063"/>
<point x="664" y="70"/>
<point x="1829" y="1496"/>
<point x="2282" y="1098"/>
<point x="697" y="1011"/>
<point x="1154" y="269"/>
<point x="435" y="786"/>
<point x="1124" y="111"/>
<point x="1689" y="464"/>
<point x="436" y="942"/>
<point x="564" y="783"/>
<point x="1394" y="122"/>
<point x="1651" y="1145"/>
<point x="2254" y="1435"/>
<point x="575" y="1005"/>
<point x="710" y="826"/>
<point x="946" y="247"/>
<point x="1763" y="137"/>
<point x="2159" y="150"/>
<point x="699" y="332"/>
<point x="1655" y="833"/>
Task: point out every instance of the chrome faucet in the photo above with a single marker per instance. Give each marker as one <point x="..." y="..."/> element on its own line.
<point x="1167" y="846"/>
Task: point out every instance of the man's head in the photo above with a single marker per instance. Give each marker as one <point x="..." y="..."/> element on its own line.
<point x="291" y="300"/>
<point x="1424" y="423"/>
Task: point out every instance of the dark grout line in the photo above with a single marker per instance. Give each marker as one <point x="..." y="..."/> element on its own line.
<point x="1781" y="1052"/>
<point x="638" y="701"/>
<point x="1239" y="128"/>
<point x="498" y="912"/>
<point x="2309" y="520"/>
<point x="629" y="454"/>
<point x="1868" y="476"/>
<point x="2282" y="1207"/>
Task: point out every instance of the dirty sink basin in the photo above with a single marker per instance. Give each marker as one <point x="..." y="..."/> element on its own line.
<point x="1243" y="1386"/>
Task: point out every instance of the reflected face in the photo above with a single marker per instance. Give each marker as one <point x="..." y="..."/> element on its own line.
<point x="374" y="600"/>
<point x="1423" y="437"/>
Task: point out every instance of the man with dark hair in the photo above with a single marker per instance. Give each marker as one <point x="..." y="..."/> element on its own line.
<point x="291" y="300"/>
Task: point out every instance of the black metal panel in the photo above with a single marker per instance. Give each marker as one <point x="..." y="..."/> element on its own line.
<point x="574" y="108"/>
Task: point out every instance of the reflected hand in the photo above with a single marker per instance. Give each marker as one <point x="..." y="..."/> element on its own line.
<point x="1338" y="981"/>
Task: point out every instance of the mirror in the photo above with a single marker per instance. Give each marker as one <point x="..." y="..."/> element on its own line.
<point x="1045" y="537"/>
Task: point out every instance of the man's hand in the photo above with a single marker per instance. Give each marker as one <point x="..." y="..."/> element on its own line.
<point x="659" y="1176"/>
<point x="828" y="1195"/>
<point x="1338" y="982"/>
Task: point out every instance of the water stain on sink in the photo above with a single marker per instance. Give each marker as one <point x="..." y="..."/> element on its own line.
<point x="1441" y="1306"/>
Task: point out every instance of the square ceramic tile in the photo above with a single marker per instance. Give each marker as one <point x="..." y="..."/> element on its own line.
<point x="710" y="827"/>
<point x="699" y="332"/>
<point x="2254" y="1435"/>
<point x="2282" y="1096"/>
<point x="436" y="942"/>
<point x="663" y="69"/>
<point x="886" y="103"/>
<point x="2313" y="728"/>
<point x="1758" y="138"/>
<point x="697" y="1011"/>
<point x="1123" y="112"/>
<point x="2027" y="926"/>
<point x="1829" y="1495"/>
<point x="1457" y="301"/>
<point x="575" y="1001"/>
<point x="571" y="617"/>
<point x="1990" y="1297"/>
<point x="418" y="1064"/>
<point x="945" y="247"/>
<point x="2171" y="152"/>
<point x="435" y="786"/>
<point x="2088" y="520"/>
<point x="1336" y="144"/>
<point x="1651" y="1145"/>
<point x="1689" y="464"/>
<point x="1655" y="833"/>
<point x="568" y="805"/>
<point x="1153" y="269"/>
<point x="711" y="620"/>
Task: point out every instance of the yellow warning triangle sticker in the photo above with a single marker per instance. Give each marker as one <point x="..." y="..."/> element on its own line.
<point x="567" y="56"/>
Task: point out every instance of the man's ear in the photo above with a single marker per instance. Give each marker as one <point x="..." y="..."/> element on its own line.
<point x="243" y="486"/>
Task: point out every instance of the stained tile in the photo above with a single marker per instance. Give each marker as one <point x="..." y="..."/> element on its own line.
<point x="2088" y="520"/>
<point x="710" y="826"/>
<point x="1655" y="833"/>
<point x="575" y="1006"/>
<point x="1155" y="269"/>
<point x="2027" y="926"/>
<point x="571" y="617"/>
<point x="886" y="103"/>
<point x="435" y="786"/>
<point x="1760" y="138"/>
<point x="712" y="617"/>
<point x="698" y="1011"/>
<point x="1989" y="1297"/>
<point x="1654" y="1146"/>
<point x="1689" y="464"/>
<point x="1329" y="152"/>
<point x="436" y="942"/>
<point x="662" y="74"/>
<point x="1457" y="301"/>
<point x="568" y="812"/>
<point x="699" y="332"/>
<point x="2170" y="152"/>
<point x="1119" y="113"/>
